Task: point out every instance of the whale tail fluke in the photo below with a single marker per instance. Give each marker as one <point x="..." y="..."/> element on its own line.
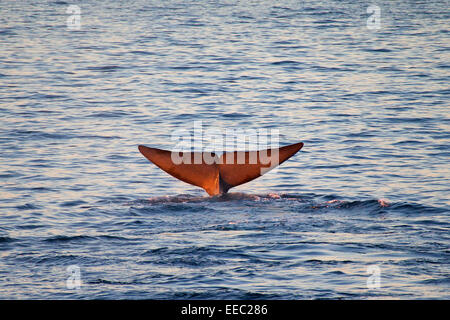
<point x="189" y="170"/>
<point x="215" y="174"/>
<point x="235" y="172"/>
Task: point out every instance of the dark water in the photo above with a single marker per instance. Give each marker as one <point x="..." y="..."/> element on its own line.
<point x="369" y="189"/>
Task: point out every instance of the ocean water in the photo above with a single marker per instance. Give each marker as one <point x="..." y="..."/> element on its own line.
<point x="83" y="215"/>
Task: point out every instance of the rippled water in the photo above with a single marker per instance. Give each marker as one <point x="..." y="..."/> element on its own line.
<point x="369" y="188"/>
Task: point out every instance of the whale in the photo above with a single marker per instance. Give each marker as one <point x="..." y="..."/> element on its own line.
<point x="216" y="175"/>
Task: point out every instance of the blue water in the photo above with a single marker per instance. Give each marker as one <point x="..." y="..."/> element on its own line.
<point x="369" y="188"/>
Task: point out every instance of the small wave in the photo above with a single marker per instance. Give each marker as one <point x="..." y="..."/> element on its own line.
<point x="39" y="135"/>
<point x="72" y="203"/>
<point x="6" y="239"/>
<point x="62" y="238"/>
<point x="112" y="282"/>
<point x="182" y="198"/>
<point x="378" y="50"/>
<point x="316" y="262"/>
<point x="109" y="114"/>
<point x="57" y="259"/>
<point x="27" y="206"/>
<point x="437" y="281"/>
<point x="296" y="202"/>
<point x="59" y="2"/>
<point x="142" y="52"/>
<point x="286" y="62"/>
<point x="236" y="115"/>
<point x="7" y="32"/>
<point x="341" y="204"/>
<point x="111" y="68"/>
<point x="226" y="293"/>
<point x="233" y="196"/>
<point x="416" y="208"/>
